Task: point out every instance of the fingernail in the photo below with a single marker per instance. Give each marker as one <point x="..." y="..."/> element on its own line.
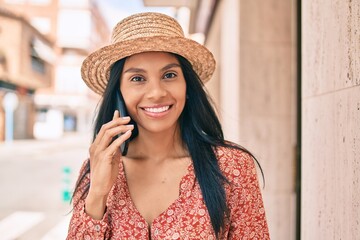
<point x="126" y="117"/>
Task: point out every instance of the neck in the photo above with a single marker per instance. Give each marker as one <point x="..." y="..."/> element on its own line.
<point x="157" y="146"/>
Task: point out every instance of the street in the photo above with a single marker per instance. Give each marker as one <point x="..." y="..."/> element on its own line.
<point x="36" y="177"/>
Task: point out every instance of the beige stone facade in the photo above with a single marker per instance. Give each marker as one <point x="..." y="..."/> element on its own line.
<point x="330" y="120"/>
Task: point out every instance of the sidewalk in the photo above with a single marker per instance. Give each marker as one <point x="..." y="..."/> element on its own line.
<point x="33" y="183"/>
<point x="30" y="147"/>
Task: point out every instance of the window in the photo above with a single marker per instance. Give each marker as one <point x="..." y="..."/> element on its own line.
<point x="69" y="123"/>
<point x="41" y="115"/>
<point x="37" y="64"/>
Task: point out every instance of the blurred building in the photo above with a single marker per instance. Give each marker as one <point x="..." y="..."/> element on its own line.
<point x="287" y="87"/>
<point x="26" y="64"/>
<point x="76" y="28"/>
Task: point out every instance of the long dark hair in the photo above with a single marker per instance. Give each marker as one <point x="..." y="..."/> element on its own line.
<point x="201" y="133"/>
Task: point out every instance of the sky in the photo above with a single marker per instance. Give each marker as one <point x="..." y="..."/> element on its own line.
<point x="115" y="10"/>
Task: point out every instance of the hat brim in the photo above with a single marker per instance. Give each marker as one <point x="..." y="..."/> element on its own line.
<point x="95" y="69"/>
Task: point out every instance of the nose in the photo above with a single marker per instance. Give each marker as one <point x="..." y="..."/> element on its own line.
<point x="156" y="89"/>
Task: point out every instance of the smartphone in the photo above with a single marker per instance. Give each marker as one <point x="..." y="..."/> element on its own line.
<point x="120" y="105"/>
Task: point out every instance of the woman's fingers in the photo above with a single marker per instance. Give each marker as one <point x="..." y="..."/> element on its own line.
<point x="114" y="146"/>
<point x="115" y="122"/>
<point x="116" y="114"/>
<point x="106" y="133"/>
<point x="111" y="133"/>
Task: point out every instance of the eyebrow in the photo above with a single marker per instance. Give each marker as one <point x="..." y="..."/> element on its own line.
<point x="140" y="70"/>
<point x="171" y="65"/>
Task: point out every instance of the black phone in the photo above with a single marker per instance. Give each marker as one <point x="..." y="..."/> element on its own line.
<point x="120" y="105"/>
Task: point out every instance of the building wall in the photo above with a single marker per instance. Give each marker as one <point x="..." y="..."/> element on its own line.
<point x="9" y="29"/>
<point x="24" y="117"/>
<point x="99" y="26"/>
<point x="77" y="27"/>
<point x="255" y="87"/>
<point x="331" y="119"/>
<point x="28" y="76"/>
<point x="18" y="74"/>
<point x="44" y="14"/>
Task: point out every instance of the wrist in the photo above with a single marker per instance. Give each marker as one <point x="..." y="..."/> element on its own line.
<point x="95" y="206"/>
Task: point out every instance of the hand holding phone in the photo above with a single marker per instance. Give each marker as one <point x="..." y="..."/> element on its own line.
<point x="104" y="162"/>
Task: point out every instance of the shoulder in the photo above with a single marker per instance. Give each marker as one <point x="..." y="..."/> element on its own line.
<point x="236" y="164"/>
<point x="243" y="194"/>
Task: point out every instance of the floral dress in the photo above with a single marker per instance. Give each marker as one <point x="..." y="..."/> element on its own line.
<point x="187" y="217"/>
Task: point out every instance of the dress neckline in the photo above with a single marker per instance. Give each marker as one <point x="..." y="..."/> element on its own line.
<point x="186" y="183"/>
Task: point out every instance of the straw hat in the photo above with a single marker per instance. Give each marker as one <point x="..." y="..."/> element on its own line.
<point x="145" y="32"/>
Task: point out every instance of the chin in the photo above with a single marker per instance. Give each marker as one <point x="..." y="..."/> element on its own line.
<point x="158" y="127"/>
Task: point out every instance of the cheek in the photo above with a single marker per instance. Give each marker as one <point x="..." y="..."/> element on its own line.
<point x="179" y="89"/>
<point x="182" y="92"/>
<point x="130" y="104"/>
<point x="130" y="101"/>
<point x="182" y="96"/>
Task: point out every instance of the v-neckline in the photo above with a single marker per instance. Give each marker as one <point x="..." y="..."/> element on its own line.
<point x="189" y="173"/>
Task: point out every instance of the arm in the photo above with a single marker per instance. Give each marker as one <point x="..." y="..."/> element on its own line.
<point x="90" y="218"/>
<point x="82" y="226"/>
<point x="247" y="217"/>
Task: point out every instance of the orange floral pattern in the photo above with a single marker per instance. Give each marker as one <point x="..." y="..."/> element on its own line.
<point x="187" y="217"/>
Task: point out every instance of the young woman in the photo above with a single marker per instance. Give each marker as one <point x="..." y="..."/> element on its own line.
<point x="177" y="178"/>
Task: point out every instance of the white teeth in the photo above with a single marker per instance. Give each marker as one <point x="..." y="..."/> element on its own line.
<point x="157" y="110"/>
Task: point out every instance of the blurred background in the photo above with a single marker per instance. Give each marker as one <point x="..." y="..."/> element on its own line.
<point x="287" y="87"/>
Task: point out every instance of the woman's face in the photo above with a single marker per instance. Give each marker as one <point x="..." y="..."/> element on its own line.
<point x="154" y="90"/>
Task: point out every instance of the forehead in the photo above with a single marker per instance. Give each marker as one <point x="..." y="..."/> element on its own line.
<point x="150" y="58"/>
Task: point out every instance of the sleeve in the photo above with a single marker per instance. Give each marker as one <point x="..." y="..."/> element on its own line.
<point x="82" y="226"/>
<point x="247" y="213"/>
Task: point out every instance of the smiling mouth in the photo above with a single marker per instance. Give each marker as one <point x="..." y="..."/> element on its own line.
<point x="158" y="109"/>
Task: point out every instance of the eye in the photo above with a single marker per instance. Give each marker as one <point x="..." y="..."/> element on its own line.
<point x="137" y="79"/>
<point x="169" y="75"/>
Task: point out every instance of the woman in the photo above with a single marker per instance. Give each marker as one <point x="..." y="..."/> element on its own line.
<point x="177" y="178"/>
